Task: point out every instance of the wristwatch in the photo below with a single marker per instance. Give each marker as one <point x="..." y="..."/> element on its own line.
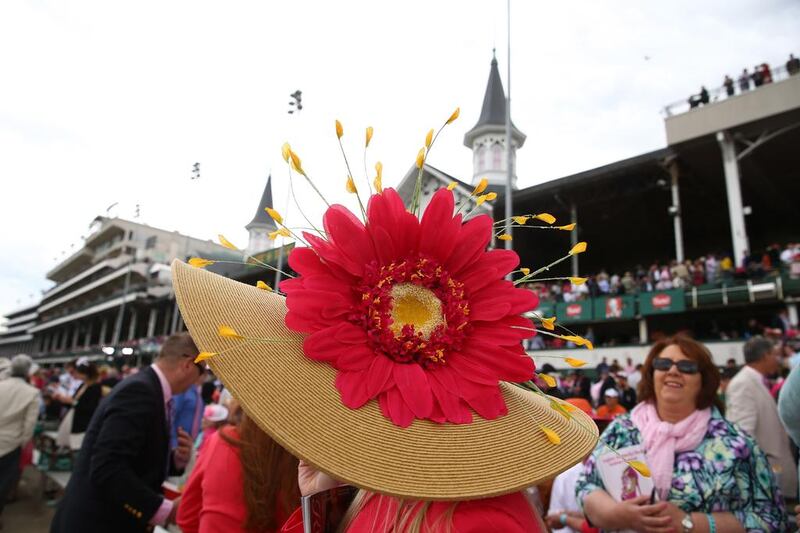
<point x="688" y="525"/>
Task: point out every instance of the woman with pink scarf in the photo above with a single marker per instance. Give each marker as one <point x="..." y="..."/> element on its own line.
<point x="708" y="475"/>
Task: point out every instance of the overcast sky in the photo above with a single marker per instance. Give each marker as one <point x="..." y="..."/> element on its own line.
<point x="105" y="101"/>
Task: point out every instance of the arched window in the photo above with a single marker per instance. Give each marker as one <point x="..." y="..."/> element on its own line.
<point x="481" y="158"/>
<point x="497" y="156"/>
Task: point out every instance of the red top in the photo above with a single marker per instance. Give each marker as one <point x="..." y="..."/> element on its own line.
<point x="213" y="499"/>
<point x="510" y="514"/>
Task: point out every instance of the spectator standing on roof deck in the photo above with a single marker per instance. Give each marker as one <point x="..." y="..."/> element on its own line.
<point x="728" y="84"/>
<point x="744" y="81"/>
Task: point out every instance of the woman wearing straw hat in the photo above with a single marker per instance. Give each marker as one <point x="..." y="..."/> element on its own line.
<point x="390" y="364"/>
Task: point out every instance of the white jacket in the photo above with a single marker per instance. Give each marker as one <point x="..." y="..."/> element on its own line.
<point x="19" y="408"/>
<point x="750" y="405"/>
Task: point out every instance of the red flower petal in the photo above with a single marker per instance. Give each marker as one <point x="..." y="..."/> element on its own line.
<point x="413" y="386"/>
<point x="489" y="406"/>
<point x="349" y="235"/>
<point x="438" y="228"/>
<point x="452" y="407"/>
<point x="472" y="241"/>
<point x="351" y="388"/>
<point x="380" y="370"/>
<point x="507" y="365"/>
<point x="395" y="409"/>
<point x="509" y="330"/>
<point x="492" y="265"/>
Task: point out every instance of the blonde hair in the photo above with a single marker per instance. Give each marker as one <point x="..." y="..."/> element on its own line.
<point x="409" y="516"/>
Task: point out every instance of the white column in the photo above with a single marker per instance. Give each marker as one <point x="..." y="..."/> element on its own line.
<point x="792" y="309"/>
<point x="151" y="322"/>
<point x="75" y="334"/>
<point x="734" y="190"/>
<point x="675" y="211"/>
<point x="132" y="326"/>
<point x="87" y="341"/>
<point x="103" y="328"/>
<point x="643" y="331"/>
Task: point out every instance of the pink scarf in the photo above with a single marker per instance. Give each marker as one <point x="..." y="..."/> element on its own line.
<point x="663" y="440"/>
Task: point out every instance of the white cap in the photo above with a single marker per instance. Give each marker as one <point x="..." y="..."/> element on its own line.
<point x="215" y="413"/>
<point x="612" y="393"/>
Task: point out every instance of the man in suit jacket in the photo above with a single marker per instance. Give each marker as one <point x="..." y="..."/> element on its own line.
<point x="750" y="404"/>
<point x="116" y="480"/>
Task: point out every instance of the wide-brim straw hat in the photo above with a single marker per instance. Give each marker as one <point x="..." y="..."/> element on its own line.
<point x="294" y="400"/>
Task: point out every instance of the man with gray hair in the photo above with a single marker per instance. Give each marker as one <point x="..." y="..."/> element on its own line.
<point x="750" y="405"/>
<point x="19" y="406"/>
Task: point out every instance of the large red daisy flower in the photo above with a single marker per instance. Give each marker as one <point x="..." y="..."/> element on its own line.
<point x="414" y="313"/>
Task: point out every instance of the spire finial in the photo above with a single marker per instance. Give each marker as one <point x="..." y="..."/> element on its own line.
<point x="494" y="55"/>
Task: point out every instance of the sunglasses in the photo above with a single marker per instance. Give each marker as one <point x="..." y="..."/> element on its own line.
<point x="685" y="366"/>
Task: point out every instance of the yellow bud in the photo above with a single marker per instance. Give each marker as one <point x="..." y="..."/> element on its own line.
<point x="505" y="237"/>
<point x="525" y="271"/>
<point x="285" y="151"/>
<point x="296" y="162"/>
<point x="480" y="200"/>
<point x="452" y="185"/>
<point x="562" y="408"/>
<point x="429" y="139"/>
<point x="379" y="169"/>
<point x="577" y="281"/>
<point x="640" y="467"/>
<point x="228" y="333"/>
<point x="351" y="186"/>
<point x="491" y="196"/>
<point x="377" y="182"/>
<point x="520" y="220"/>
<point x="549" y="323"/>
<point x="574" y="363"/>
<point x="202" y="356"/>
<point x="552" y="436"/>
<point x="578" y="248"/>
<point x="547" y="378"/>
<point x="199" y="262"/>
<point x="420" y="157"/>
<point x="274" y="215"/>
<point x="226" y="243"/>
<point x="263" y="286"/>
<point x="369" y="135"/>
<point x="339" y="130"/>
<point x="454" y="115"/>
<point x="568" y="227"/>
<point x="546" y="218"/>
<point x="283" y="232"/>
<point x="480" y="187"/>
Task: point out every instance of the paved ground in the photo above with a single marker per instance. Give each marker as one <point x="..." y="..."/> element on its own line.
<point x="29" y="513"/>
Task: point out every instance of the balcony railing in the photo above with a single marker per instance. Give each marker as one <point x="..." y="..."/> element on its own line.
<point x="720" y="93"/>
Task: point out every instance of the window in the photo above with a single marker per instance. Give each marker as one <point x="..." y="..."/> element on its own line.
<point x="150" y="243"/>
<point x="497" y="156"/>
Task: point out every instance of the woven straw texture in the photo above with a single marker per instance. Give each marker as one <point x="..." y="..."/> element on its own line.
<point x="295" y="401"/>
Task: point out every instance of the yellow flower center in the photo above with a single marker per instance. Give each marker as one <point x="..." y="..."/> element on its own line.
<point x="416" y="306"/>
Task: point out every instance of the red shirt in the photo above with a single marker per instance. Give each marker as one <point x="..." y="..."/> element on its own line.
<point x="213" y="499"/>
<point x="510" y="514"/>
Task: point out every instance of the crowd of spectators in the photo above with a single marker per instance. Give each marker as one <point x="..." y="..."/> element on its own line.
<point x="711" y="269"/>
<point x="747" y="80"/>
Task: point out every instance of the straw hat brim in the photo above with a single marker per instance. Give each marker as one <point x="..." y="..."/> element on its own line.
<point x="294" y="400"/>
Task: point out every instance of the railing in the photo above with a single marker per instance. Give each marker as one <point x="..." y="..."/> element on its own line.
<point x="720" y="93"/>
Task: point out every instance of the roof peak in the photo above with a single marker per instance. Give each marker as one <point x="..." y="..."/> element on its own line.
<point x="493" y="112"/>
<point x="262" y="219"/>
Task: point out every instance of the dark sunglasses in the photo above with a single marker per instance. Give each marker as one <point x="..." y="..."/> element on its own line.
<point x="685" y="366"/>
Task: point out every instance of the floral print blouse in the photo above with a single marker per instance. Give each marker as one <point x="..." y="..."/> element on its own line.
<point x="727" y="472"/>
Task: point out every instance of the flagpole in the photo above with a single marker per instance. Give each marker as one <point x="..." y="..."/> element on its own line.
<point x="509" y="144"/>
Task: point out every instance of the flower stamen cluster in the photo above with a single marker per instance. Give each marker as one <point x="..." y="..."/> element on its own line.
<point x="412" y="310"/>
